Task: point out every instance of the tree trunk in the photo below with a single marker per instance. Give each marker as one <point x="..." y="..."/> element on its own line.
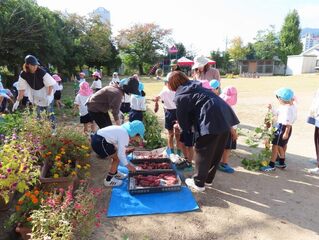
<point x="140" y="69"/>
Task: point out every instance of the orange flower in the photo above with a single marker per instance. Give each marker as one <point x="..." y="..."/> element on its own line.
<point x="36" y="192"/>
<point x="34" y="200"/>
<point x="20" y="202"/>
<point x="18" y="208"/>
<point x="27" y="194"/>
<point x="29" y="219"/>
<point x="46" y="193"/>
<point x="49" y="153"/>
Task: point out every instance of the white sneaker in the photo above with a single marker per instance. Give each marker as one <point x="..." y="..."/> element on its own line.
<point x="175" y="158"/>
<point x="314" y="171"/>
<point x="114" y="182"/>
<point x="209" y="184"/>
<point x="191" y="184"/>
<point x="120" y="175"/>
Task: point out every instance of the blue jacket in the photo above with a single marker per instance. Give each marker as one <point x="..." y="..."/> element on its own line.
<point x="200" y="108"/>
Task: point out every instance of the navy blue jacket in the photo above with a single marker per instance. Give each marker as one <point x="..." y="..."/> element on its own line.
<point x="202" y="109"/>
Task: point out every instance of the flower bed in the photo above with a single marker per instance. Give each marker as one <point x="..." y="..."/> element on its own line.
<point x="32" y="155"/>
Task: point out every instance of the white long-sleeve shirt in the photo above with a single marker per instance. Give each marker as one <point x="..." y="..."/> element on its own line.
<point x="117" y="136"/>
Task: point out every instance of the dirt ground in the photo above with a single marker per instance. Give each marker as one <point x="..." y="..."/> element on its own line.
<point x="244" y="205"/>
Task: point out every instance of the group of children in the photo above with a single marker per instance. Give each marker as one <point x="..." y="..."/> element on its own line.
<point x="185" y="141"/>
<point x="135" y="104"/>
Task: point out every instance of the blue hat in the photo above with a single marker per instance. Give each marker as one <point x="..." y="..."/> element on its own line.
<point x="134" y="128"/>
<point x="214" y="84"/>
<point x="286" y="94"/>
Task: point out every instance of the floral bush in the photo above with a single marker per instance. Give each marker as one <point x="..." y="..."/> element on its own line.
<point x="18" y="170"/>
<point x="66" y="216"/>
<point x="31" y="200"/>
<point x="67" y="152"/>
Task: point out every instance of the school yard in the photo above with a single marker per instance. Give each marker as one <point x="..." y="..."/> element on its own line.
<point x="244" y="205"/>
<point x="241" y="206"/>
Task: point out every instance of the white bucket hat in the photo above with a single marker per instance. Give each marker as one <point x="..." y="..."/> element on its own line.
<point x="200" y="61"/>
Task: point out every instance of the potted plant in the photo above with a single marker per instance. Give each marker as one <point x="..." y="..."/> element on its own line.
<point x="65" y="159"/>
<point x="76" y="210"/>
<point x="20" y="219"/>
<point x="17" y="167"/>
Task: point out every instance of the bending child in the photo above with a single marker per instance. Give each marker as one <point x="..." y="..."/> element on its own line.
<point x="111" y="142"/>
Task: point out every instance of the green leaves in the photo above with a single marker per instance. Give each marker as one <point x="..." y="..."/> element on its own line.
<point x="289" y="36"/>
<point x="153" y="131"/>
<point x="142" y="41"/>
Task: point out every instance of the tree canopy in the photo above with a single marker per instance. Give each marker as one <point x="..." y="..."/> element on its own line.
<point x="66" y="41"/>
<point x="141" y="44"/>
<point x="289" y="36"/>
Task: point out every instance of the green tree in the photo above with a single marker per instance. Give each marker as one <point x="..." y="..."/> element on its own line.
<point x="266" y="45"/>
<point x="237" y="50"/>
<point x="96" y="42"/>
<point x="21" y="30"/>
<point x="250" y="51"/>
<point x="289" y="36"/>
<point x="222" y="60"/>
<point x="142" y="42"/>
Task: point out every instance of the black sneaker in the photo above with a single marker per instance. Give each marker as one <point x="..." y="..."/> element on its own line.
<point x="184" y="164"/>
<point x="278" y="165"/>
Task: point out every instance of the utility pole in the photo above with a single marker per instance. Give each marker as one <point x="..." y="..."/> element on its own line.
<point x="226" y="44"/>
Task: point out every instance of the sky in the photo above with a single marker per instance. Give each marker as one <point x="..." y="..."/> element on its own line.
<point x="201" y="25"/>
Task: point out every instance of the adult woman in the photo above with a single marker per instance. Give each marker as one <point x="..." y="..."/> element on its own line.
<point x="203" y="71"/>
<point x="110" y="98"/>
<point x="38" y="84"/>
<point x="210" y="118"/>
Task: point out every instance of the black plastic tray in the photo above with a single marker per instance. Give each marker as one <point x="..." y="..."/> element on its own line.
<point x="141" y="190"/>
<point x="153" y="160"/>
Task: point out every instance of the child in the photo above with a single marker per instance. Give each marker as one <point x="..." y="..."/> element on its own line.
<point x="115" y="79"/>
<point x="80" y="100"/>
<point x="229" y="95"/>
<point x="286" y="115"/>
<point x="82" y="79"/>
<point x="58" y="90"/>
<point x="111" y="142"/>
<point x="167" y="98"/>
<point x="137" y="104"/>
<point x="76" y="85"/>
<point x="5" y="95"/>
<point x="97" y="83"/>
<point x="314" y="120"/>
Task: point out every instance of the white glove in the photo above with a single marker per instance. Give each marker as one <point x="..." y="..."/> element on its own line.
<point x="15" y="106"/>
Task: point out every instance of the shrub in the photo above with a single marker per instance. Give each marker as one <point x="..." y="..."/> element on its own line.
<point x="153" y="131"/>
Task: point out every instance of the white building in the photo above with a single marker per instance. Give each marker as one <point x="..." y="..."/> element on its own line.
<point x="306" y="62"/>
<point x="104" y="14"/>
<point x="309" y="41"/>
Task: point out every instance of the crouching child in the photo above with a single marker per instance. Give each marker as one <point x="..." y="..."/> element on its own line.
<point x="112" y="142"/>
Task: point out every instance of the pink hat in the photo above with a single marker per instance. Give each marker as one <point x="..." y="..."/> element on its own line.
<point x="57" y="78"/>
<point x="205" y="84"/>
<point x="85" y="89"/>
<point x="229" y="95"/>
<point x="96" y="74"/>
